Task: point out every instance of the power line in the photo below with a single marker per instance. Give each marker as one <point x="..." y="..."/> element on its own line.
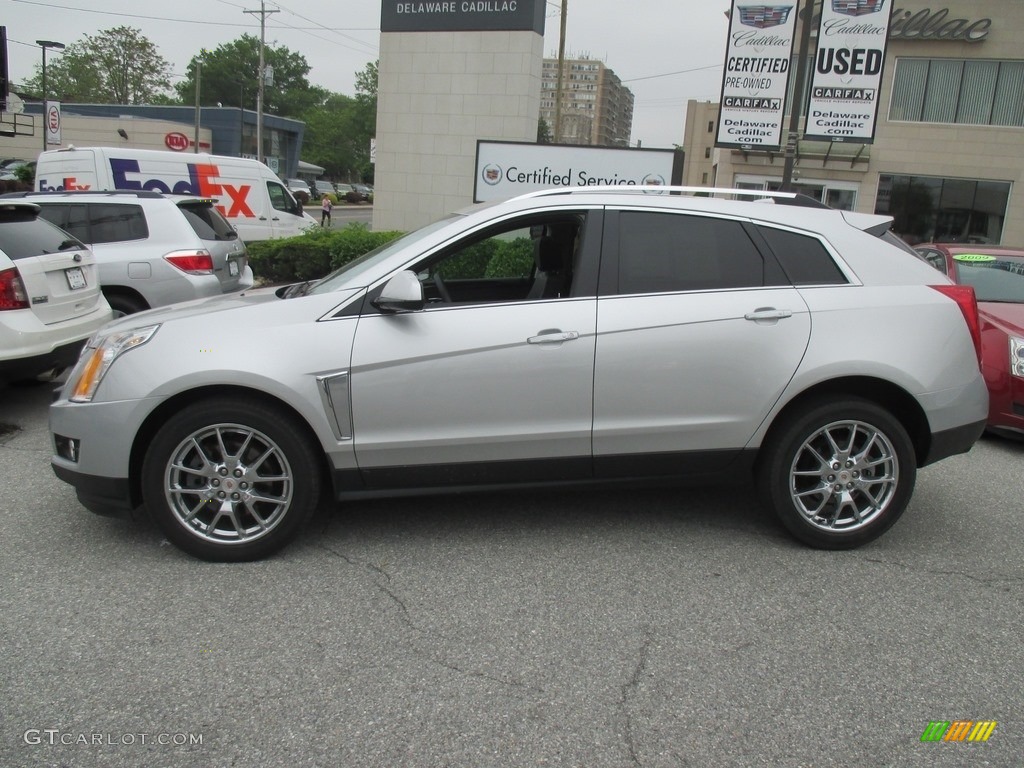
<point x="669" y="74"/>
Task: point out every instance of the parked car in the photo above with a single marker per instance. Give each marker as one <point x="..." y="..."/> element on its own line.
<point x="601" y="335"/>
<point x="300" y="190"/>
<point x="324" y="188"/>
<point x="152" y="249"/>
<point x="347" y="193"/>
<point x="997" y="275"/>
<point x="50" y="299"/>
<point x="365" y="191"/>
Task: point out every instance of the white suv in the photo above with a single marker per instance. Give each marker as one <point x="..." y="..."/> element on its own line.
<point x="574" y="336"/>
<point x="152" y="249"/>
<point x="50" y="300"/>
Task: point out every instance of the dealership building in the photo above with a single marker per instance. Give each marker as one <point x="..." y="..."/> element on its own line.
<point x="946" y="157"/>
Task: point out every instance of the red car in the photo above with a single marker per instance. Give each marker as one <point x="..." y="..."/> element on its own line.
<point x="997" y="276"/>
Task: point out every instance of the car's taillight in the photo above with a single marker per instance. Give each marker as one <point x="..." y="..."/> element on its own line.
<point x="964" y="296"/>
<point x="192" y="262"/>
<point x="12" y="290"/>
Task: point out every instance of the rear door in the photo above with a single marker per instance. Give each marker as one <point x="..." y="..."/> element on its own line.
<point x="698" y="335"/>
<point x="58" y="271"/>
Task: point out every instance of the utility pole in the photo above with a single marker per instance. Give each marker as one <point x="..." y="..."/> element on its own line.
<point x="263" y="12"/>
<point x="561" y="64"/>
<point x="797" y="107"/>
<point x="199" y="78"/>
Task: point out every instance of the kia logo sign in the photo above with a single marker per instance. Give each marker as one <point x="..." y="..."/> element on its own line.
<point x="177" y="142"/>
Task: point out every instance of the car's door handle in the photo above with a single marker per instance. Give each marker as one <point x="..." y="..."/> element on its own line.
<point x="553" y="337"/>
<point x="767" y="313"/>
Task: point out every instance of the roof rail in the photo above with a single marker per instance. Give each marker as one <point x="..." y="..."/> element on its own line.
<point x="786" y="198"/>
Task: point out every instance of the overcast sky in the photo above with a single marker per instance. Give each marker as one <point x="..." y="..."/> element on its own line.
<point x="666" y="51"/>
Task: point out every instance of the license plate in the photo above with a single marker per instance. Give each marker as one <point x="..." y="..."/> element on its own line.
<point x="76" y="278"/>
<point x="232" y="268"/>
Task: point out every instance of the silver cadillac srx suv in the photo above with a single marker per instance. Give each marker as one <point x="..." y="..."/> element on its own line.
<point x="585" y="335"/>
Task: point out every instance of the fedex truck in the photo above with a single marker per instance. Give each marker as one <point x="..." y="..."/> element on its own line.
<point x="248" y="193"/>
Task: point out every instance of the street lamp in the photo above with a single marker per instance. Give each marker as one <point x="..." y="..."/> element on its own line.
<point x="44" y="44"/>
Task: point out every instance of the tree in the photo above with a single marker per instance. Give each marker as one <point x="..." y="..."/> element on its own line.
<point x="230" y="76"/>
<point x="338" y="132"/>
<point x="543" y="132"/>
<point x="115" y="66"/>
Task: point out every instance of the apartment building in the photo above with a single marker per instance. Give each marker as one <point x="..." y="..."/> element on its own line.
<point x="597" y="109"/>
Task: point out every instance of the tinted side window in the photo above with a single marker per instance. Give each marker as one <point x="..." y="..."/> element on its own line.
<point x="23" y="236"/>
<point x="111" y="223"/>
<point x="673" y="252"/>
<point x="57" y="215"/>
<point x="804" y="258"/>
<point x="77" y="222"/>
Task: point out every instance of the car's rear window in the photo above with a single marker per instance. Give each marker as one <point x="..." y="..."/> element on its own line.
<point x="207" y="222"/>
<point x="23" y="236"/>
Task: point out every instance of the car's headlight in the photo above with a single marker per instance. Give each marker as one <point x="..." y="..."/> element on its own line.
<point x="99" y="355"/>
<point x="1017" y="356"/>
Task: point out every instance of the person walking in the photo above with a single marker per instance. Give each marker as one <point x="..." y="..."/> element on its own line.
<point x="325" y="210"/>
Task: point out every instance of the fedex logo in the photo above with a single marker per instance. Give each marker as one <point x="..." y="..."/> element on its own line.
<point x="202" y="181"/>
<point x="67" y="184"/>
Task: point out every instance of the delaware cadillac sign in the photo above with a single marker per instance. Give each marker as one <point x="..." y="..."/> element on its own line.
<point x="756" y="75"/>
<point x="462" y="15"/>
<point x="848" y="65"/>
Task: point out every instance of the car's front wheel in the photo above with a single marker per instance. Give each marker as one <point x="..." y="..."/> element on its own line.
<point x="838" y="474"/>
<point x="230" y="480"/>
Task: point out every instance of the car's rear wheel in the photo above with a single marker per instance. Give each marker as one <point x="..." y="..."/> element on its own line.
<point x="230" y="480"/>
<point x="838" y="474"/>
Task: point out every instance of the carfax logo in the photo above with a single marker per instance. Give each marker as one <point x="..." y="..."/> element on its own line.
<point x="491" y="174"/>
<point x="958" y="730"/>
<point x="764" y="16"/>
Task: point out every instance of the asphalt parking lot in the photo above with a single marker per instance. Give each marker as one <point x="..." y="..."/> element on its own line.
<point x="670" y="627"/>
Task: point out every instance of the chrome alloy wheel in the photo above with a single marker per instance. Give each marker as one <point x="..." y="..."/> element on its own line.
<point x="844" y="476"/>
<point x="228" y="483"/>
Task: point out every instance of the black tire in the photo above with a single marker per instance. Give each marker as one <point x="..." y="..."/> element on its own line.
<point x="231" y="480"/>
<point x="124" y="304"/>
<point x="827" y="495"/>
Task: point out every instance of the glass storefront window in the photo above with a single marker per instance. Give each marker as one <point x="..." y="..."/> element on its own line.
<point x="932" y="209"/>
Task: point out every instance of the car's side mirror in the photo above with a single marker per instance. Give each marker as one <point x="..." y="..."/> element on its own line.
<point x="402" y="293"/>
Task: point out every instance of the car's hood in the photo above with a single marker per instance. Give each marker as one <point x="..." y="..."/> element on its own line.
<point x="217" y="305"/>
<point x="1007" y="316"/>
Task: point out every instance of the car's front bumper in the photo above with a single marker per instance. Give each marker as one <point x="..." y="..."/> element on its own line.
<point x="108" y="496"/>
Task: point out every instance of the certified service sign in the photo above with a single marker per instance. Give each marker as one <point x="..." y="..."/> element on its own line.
<point x="505" y="169"/>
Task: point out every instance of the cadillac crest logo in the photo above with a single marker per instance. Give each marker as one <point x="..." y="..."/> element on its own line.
<point x="857" y="7"/>
<point x="765" y="16"/>
<point x="491" y="174"/>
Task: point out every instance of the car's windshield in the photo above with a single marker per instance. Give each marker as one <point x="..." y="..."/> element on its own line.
<point x="994" y="278"/>
<point x="345" y="273"/>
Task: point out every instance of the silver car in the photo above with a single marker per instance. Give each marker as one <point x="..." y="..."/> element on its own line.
<point x="586" y="335"/>
<point x="152" y="249"/>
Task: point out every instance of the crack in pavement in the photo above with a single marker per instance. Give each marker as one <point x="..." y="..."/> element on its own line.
<point x="406" y="618"/>
<point x="986" y="581"/>
<point x="631" y="685"/>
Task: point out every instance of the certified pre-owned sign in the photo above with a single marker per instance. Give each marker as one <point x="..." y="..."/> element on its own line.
<point x="506" y="169"/>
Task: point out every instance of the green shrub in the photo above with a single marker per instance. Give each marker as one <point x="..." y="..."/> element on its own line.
<point x="513" y="258"/>
<point x="313" y="254"/>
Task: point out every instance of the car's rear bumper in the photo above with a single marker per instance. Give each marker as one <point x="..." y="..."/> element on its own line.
<point x="64" y="356"/>
<point x="950" y="442"/>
